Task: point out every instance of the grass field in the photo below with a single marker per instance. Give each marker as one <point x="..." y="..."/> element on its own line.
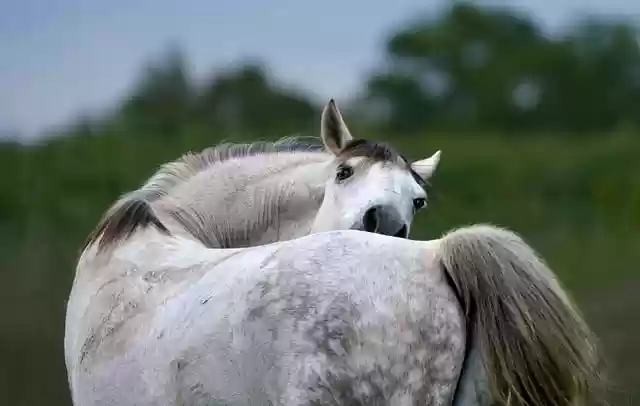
<point x="576" y="200"/>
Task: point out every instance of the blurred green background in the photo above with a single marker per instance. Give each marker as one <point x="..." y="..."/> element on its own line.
<point x="538" y="133"/>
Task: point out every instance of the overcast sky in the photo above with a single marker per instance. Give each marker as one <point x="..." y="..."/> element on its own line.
<point x="59" y="58"/>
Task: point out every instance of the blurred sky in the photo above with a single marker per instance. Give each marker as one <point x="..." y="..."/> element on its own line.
<point x="59" y="58"/>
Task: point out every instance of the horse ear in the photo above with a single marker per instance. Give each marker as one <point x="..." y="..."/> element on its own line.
<point x="426" y="167"/>
<point x="334" y="131"/>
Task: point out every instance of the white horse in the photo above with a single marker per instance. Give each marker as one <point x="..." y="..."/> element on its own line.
<point x="240" y="195"/>
<point x="157" y="316"/>
<point x="250" y="194"/>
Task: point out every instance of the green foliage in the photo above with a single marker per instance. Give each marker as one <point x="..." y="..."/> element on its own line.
<point x="495" y="69"/>
<point x="240" y="99"/>
<point x="163" y="98"/>
<point x="470" y="68"/>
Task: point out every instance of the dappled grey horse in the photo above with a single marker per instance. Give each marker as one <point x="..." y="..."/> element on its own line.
<point x="160" y="315"/>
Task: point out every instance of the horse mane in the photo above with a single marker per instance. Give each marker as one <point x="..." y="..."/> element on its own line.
<point x="133" y="210"/>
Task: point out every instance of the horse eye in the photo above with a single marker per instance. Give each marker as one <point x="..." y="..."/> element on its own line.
<point x="419" y="203"/>
<point x="344" y="172"/>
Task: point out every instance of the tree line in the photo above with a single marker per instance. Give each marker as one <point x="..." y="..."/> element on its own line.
<point x="468" y="68"/>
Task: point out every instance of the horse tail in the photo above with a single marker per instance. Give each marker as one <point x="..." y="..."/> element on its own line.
<point x="530" y="342"/>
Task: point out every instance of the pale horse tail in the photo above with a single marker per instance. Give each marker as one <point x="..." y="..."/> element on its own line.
<point x="526" y="342"/>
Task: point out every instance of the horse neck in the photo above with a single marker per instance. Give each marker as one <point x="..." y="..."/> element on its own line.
<point x="248" y="201"/>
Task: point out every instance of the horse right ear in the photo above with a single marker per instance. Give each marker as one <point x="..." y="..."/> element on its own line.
<point x="334" y="131"/>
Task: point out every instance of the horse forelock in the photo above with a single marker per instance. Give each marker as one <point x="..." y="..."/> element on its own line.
<point x="379" y="152"/>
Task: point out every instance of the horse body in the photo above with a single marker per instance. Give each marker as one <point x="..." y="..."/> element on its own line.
<point x="332" y="318"/>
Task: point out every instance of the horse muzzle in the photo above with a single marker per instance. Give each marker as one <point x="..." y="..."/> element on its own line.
<point x="384" y="220"/>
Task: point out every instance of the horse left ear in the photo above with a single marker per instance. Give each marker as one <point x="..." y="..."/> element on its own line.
<point x="334" y="132"/>
<point x="426" y="167"/>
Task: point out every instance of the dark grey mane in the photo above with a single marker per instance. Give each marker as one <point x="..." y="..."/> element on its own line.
<point x="133" y="210"/>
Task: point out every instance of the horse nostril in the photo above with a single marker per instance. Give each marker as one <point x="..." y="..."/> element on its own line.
<point x="371" y="220"/>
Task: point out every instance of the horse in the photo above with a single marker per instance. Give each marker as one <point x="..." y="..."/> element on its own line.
<point x="240" y="195"/>
<point x="343" y="317"/>
<point x="155" y="311"/>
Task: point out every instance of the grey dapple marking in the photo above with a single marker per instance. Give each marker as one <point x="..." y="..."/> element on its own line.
<point x="237" y="195"/>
